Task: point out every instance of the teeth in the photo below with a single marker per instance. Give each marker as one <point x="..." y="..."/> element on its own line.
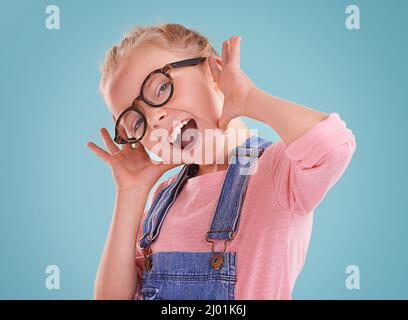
<point x="177" y="130"/>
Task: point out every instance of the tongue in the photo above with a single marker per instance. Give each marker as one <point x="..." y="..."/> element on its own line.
<point x="190" y="125"/>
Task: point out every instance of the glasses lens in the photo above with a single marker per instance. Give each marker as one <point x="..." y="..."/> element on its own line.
<point x="134" y="124"/>
<point x="157" y="89"/>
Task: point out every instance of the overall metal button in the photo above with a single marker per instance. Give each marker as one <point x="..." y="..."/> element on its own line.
<point x="217" y="261"/>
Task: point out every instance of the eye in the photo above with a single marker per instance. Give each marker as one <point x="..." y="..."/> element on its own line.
<point x="138" y="123"/>
<point x="163" y="87"/>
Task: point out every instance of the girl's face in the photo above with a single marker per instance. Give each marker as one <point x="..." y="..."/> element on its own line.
<point x="196" y="96"/>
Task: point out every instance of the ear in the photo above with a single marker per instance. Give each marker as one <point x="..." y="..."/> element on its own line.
<point x="218" y="60"/>
<point x="214" y="65"/>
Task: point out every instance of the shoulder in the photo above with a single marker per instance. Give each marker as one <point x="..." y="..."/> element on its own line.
<point x="161" y="185"/>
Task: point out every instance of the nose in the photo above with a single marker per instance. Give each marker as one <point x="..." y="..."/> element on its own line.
<point x="156" y="116"/>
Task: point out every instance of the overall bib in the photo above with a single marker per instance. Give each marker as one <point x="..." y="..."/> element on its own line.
<point x="172" y="275"/>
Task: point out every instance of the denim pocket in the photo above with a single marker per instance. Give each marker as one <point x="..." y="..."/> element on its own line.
<point x="149" y="293"/>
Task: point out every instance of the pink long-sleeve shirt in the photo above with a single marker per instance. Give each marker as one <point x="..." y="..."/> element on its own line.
<point x="277" y="214"/>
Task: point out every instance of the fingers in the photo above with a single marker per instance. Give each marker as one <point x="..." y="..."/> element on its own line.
<point x="231" y="50"/>
<point x="225" y="52"/>
<point x="110" y="145"/>
<point x="122" y="132"/>
<point x="235" y="49"/>
<point x="99" y="151"/>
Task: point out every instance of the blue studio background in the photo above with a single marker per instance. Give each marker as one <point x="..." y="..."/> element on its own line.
<point x="57" y="197"/>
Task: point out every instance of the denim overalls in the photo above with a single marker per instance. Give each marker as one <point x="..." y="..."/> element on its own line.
<point x="208" y="275"/>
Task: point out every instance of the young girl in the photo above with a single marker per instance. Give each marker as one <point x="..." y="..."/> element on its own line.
<point x="212" y="231"/>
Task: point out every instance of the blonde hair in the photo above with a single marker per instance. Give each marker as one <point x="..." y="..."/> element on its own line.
<point x="168" y="36"/>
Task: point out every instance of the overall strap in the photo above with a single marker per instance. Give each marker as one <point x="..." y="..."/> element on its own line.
<point x="226" y="217"/>
<point x="162" y="203"/>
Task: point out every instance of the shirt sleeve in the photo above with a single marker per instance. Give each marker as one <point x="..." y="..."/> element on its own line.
<point x="305" y="170"/>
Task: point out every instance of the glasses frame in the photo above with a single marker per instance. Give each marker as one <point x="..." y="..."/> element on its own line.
<point x="166" y="69"/>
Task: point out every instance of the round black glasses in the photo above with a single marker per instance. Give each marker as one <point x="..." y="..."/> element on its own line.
<point x="156" y="90"/>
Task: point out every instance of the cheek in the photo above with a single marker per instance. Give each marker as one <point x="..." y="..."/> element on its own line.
<point x="200" y="100"/>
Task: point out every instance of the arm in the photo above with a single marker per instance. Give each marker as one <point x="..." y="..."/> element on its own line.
<point x="117" y="275"/>
<point x="314" y="152"/>
<point x="315" y="148"/>
<point x="134" y="175"/>
<point x="288" y="119"/>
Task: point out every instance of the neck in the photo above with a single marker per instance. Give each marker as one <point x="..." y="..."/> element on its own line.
<point x="231" y="140"/>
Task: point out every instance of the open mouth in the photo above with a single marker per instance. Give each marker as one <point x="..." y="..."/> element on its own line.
<point x="183" y="139"/>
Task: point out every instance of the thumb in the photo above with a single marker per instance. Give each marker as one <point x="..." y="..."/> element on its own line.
<point x="223" y="122"/>
<point x="215" y="69"/>
<point x="226" y="116"/>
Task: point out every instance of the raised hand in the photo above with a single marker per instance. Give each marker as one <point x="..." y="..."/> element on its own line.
<point x="132" y="168"/>
<point x="233" y="82"/>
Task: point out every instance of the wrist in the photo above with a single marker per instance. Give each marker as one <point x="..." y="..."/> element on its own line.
<point x="139" y="190"/>
<point x="248" y="101"/>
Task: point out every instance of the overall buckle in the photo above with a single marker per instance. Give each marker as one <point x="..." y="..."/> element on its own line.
<point x="147" y="252"/>
<point x="217" y="258"/>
